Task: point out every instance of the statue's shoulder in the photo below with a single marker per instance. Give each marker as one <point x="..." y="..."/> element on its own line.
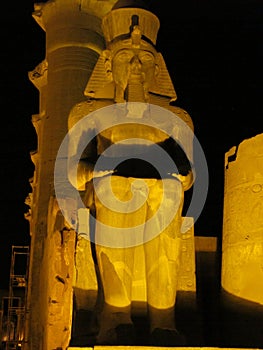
<point x="84" y="108"/>
<point x="181" y="113"/>
<point x="165" y="102"/>
<point x="78" y="111"/>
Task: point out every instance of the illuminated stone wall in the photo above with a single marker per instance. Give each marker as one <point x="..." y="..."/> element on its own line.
<point x="242" y="257"/>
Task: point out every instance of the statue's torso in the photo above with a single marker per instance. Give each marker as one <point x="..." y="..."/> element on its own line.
<point x="131" y="142"/>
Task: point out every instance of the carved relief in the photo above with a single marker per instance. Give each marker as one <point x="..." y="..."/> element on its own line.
<point x="242" y="258"/>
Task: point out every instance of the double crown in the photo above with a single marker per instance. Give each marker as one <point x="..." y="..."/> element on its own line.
<point x="120" y="23"/>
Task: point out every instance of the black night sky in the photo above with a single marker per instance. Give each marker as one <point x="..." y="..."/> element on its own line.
<point x="214" y="52"/>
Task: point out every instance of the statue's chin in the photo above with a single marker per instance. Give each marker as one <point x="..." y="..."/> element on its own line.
<point x="136" y="110"/>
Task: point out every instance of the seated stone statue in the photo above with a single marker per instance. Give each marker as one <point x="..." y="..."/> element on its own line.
<point x="131" y="75"/>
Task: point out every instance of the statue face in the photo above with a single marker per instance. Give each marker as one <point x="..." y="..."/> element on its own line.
<point x="133" y="64"/>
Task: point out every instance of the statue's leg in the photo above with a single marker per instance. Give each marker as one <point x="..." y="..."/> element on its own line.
<point x="115" y="266"/>
<point x="162" y="261"/>
<point x="115" y="256"/>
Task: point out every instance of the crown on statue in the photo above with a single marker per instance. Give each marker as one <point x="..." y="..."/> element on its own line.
<point x="121" y="22"/>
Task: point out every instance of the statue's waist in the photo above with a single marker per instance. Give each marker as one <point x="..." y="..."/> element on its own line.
<point x="137" y="167"/>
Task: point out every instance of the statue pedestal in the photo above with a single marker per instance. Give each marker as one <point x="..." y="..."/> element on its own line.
<point x="209" y="316"/>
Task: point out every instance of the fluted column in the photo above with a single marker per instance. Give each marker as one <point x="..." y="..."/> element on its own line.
<point x="73" y="44"/>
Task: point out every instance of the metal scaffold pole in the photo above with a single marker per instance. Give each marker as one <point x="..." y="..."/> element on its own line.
<point x="14" y="305"/>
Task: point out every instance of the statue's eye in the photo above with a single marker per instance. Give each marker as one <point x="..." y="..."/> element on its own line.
<point x="146" y="57"/>
<point x="124" y="56"/>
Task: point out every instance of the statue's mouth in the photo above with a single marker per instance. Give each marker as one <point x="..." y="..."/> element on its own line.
<point x="136" y="76"/>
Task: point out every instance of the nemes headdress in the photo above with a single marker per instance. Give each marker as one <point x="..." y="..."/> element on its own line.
<point x="130" y="24"/>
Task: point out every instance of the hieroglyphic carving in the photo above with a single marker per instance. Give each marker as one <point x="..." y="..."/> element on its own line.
<point x="242" y="260"/>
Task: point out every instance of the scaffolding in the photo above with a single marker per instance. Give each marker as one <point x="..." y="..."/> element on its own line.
<point x="14" y="306"/>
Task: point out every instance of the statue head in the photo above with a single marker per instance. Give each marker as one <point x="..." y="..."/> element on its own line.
<point x="131" y="57"/>
<point x="130" y="35"/>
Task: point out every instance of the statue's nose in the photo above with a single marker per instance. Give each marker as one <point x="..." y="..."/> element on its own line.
<point x="136" y="65"/>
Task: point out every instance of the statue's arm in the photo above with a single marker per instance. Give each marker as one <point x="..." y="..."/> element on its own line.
<point x="81" y="146"/>
<point x="183" y="134"/>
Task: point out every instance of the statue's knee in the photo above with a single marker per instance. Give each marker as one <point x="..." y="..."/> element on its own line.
<point x="116" y="280"/>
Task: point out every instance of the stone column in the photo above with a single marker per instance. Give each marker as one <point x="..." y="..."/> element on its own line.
<point x="73" y="44"/>
<point x="242" y="246"/>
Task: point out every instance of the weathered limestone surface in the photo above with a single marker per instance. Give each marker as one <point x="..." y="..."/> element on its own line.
<point x="242" y="259"/>
<point x="57" y="265"/>
<point x="85" y="282"/>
